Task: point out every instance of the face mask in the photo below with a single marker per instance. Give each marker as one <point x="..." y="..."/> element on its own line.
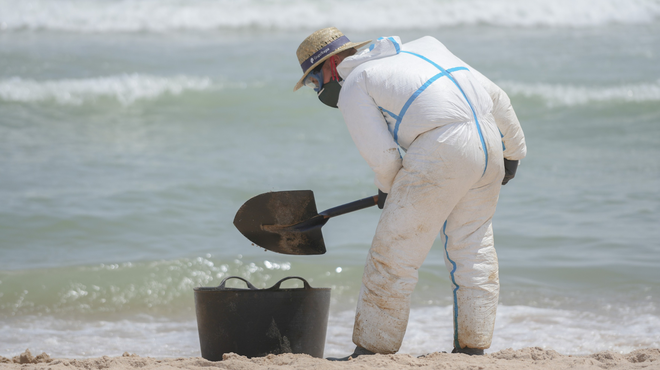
<point x="329" y="95"/>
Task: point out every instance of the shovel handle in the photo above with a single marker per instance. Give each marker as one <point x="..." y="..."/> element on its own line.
<point x="350" y="207"/>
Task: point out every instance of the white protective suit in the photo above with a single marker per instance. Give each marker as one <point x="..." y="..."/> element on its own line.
<point x="455" y="126"/>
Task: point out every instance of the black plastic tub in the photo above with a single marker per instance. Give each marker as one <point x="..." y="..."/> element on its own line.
<point x="256" y="322"/>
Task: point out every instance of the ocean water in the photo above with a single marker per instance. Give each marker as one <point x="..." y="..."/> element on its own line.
<point x="132" y="131"/>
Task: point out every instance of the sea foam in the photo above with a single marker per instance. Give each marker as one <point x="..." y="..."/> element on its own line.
<point x="129" y="88"/>
<point x="430" y="329"/>
<point x="171" y="15"/>
<point x="125" y="88"/>
<point x="573" y="95"/>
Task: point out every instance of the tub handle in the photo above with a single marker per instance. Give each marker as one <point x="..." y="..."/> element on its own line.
<point x="277" y="285"/>
<point x="222" y="284"/>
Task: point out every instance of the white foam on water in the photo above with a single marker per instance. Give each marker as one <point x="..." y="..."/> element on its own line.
<point x="66" y="338"/>
<point x="571" y="95"/>
<point x="131" y="87"/>
<point x="168" y="15"/>
<point x="430" y="330"/>
<point x="125" y="88"/>
<point x="574" y="332"/>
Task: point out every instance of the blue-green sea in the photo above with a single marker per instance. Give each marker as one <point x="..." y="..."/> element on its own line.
<point x="132" y="131"/>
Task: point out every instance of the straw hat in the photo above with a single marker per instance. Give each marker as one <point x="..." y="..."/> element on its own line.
<point x="320" y="46"/>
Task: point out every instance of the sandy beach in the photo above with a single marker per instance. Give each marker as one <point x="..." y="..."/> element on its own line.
<point x="532" y="358"/>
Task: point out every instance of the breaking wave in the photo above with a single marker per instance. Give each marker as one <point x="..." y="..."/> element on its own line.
<point x="567" y="95"/>
<point x="125" y="88"/>
<point x="130" y="88"/>
<point x="171" y="15"/>
<point x="429" y="330"/>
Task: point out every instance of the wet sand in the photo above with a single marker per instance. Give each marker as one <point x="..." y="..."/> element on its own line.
<point x="509" y="359"/>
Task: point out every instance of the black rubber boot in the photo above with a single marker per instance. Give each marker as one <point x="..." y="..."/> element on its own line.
<point x="359" y="351"/>
<point x="469" y="351"/>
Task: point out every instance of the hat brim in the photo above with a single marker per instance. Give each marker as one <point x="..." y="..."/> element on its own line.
<point x="346" y="46"/>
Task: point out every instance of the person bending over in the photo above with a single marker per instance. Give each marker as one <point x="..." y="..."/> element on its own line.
<point x="462" y="142"/>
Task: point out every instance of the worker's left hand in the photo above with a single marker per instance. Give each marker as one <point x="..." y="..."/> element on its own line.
<point x="381" y="199"/>
<point x="510" y="168"/>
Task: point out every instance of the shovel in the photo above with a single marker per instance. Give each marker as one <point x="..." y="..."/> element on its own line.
<point x="287" y="221"/>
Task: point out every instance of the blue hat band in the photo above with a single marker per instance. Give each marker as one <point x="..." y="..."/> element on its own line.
<point x="334" y="45"/>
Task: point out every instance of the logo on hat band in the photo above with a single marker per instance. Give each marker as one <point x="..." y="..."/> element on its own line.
<point x="334" y="45"/>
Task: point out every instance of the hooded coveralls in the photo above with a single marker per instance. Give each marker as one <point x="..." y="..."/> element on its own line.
<point x="455" y="127"/>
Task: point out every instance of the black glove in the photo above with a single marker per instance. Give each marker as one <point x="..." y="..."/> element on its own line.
<point x="510" y="168"/>
<point x="381" y="199"/>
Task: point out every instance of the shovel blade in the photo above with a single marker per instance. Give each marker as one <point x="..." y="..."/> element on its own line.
<point x="277" y="211"/>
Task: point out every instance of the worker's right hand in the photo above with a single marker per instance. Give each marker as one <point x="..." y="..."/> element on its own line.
<point x="381" y="199"/>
